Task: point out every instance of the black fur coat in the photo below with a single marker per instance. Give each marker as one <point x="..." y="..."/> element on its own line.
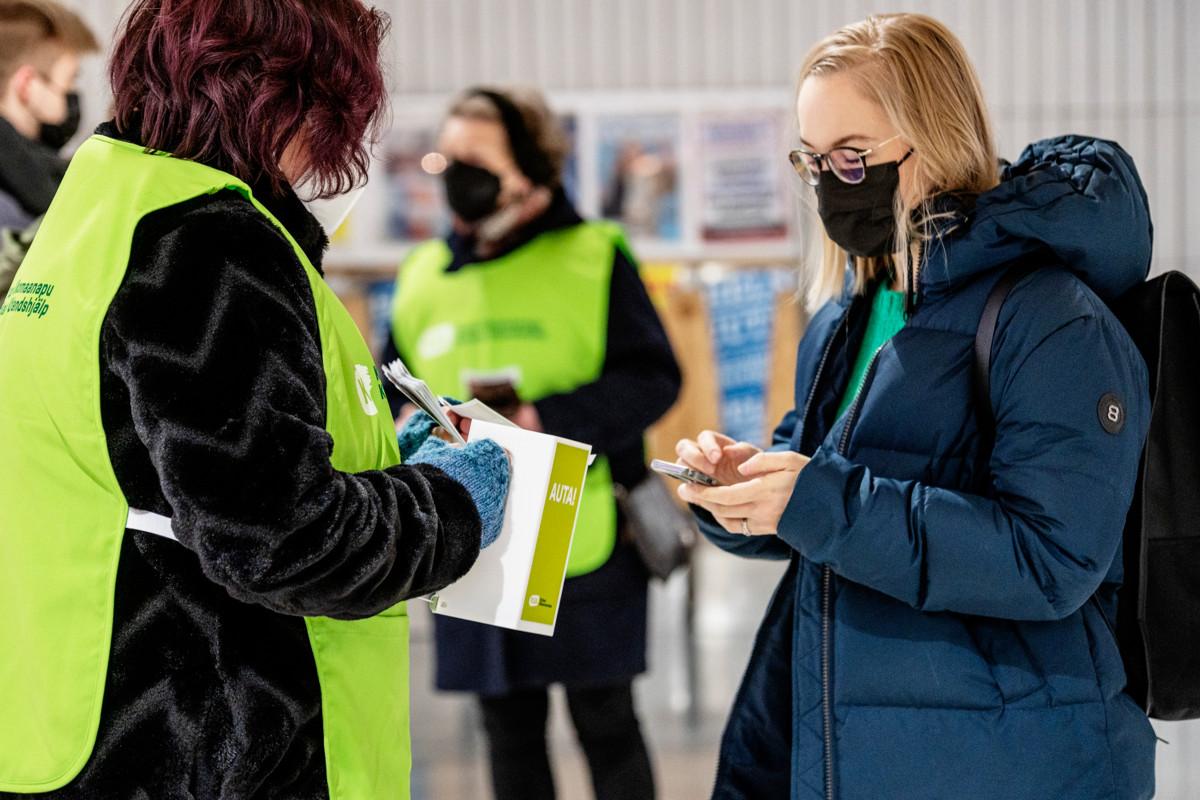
<point x="213" y="403"/>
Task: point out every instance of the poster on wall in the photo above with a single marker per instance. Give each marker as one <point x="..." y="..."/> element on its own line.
<point x="744" y="186"/>
<point x="415" y="207"/>
<point x="638" y="161"/>
<point x="742" y="311"/>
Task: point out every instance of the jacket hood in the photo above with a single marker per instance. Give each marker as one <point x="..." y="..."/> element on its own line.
<point x="1074" y="200"/>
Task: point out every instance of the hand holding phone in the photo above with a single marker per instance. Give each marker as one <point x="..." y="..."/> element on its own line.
<point x="716" y="455"/>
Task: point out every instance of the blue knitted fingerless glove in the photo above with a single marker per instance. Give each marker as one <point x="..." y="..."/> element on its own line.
<point x="483" y="468"/>
<point x="416" y="430"/>
<point x="414" y="433"/>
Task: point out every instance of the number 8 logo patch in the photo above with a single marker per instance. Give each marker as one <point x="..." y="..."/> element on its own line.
<point x="1112" y="414"/>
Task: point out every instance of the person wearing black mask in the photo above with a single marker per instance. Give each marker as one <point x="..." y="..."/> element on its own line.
<point x="949" y="505"/>
<point x="543" y="316"/>
<point x="41" y="43"/>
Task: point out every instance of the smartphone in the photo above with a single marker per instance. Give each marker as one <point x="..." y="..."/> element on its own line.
<point x="682" y="473"/>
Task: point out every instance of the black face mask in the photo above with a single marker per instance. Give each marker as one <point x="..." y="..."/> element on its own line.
<point x="860" y="217"/>
<point x="56" y="136"/>
<point x="472" y="192"/>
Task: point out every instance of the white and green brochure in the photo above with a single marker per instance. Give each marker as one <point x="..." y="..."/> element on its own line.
<point x="517" y="581"/>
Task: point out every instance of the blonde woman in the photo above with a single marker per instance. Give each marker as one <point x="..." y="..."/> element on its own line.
<point x="942" y="630"/>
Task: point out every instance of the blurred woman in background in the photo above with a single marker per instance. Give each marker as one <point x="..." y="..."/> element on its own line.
<point x="544" y="317"/>
<point x="943" y="629"/>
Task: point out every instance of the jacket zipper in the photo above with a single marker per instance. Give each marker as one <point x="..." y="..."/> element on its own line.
<point x="852" y="412"/>
<point x="826" y="615"/>
<point x="826" y="694"/>
<point x="812" y="390"/>
<point x="827" y="598"/>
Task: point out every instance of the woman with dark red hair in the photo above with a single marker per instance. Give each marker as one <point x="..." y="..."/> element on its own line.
<point x="206" y="538"/>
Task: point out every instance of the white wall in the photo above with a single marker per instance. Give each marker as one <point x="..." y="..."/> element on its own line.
<point x="1122" y="69"/>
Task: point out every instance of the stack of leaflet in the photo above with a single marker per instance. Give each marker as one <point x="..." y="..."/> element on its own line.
<point x="418" y="393"/>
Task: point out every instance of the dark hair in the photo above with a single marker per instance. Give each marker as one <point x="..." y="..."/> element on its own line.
<point x="538" y="142"/>
<point x="230" y="83"/>
<point x="38" y="32"/>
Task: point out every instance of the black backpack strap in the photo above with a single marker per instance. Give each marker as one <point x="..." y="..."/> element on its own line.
<point x="984" y="337"/>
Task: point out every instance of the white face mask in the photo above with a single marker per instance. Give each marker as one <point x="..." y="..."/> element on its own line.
<point x="331" y="212"/>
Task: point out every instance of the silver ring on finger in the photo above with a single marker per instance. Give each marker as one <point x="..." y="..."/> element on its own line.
<point x="746" y="527"/>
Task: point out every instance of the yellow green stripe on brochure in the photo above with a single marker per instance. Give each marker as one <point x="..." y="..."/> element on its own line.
<point x="554" y="536"/>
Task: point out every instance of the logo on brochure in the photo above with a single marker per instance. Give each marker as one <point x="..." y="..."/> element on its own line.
<point x="364" y="384"/>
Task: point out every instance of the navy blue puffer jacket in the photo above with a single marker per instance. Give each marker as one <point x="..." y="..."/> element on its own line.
<point x="942" y="631"/>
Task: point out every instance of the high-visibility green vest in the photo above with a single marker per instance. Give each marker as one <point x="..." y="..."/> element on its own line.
<point x="539" y="315"/>
<point x="63" y="516"/>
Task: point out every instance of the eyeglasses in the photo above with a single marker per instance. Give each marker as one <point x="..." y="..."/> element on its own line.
<point x="849" y="164"/>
